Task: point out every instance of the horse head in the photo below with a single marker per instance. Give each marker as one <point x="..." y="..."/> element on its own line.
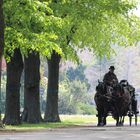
<point x="118" y="90"/>
<point x="124" y="83"/>
<point x="100" y="88"/>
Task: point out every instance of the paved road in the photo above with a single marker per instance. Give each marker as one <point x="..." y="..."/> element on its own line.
<point x="78" y="133"/>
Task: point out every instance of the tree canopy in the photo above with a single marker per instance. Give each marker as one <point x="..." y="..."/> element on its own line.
<point x="30" y="25"/>
<point x="67" y="25"/>
<point x="99" y="24"/>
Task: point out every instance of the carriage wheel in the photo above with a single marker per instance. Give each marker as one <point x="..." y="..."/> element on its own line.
<point x="130" y="114"/>
<point x="136" y="119"/>
<point x="136" y="112"/>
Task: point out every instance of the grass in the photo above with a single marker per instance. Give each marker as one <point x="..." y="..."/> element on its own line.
<point x="66" y="121"/>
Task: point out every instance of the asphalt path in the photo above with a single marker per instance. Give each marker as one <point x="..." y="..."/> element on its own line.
<point x="88" y="132"/>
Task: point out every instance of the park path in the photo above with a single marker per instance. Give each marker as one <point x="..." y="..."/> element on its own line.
<point x="87" y="132"/>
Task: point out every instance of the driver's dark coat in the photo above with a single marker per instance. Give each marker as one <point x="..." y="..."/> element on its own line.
<point x="110" y="78"/>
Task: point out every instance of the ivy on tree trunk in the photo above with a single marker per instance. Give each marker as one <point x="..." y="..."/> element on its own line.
<point x="14" y="72"/>
<point x="51" y="112"/>
<point x="31" y="113"/>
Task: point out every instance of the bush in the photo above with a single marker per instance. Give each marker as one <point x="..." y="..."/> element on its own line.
<point x="86" y="109"/>
<point x="74" y="98"/>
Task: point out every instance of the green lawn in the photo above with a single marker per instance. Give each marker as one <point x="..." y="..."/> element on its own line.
<point x="66" y="121"/>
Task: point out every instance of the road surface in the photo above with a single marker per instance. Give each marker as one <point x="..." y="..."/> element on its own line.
<point x="78" y="133"/>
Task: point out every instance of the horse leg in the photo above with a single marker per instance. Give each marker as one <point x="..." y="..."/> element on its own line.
<point x="117" y="120"/>
<point x="122" y="122"/>
<point x="118" y="123"/>
<point x="104" y="120"/>
<point x="100" y="119"/>
<point x="105" y="116"/>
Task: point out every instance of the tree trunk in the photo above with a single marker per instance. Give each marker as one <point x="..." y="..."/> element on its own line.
<point x="31" y="113"/>
<point x="51" y="112"/>
<point x="14" y="71"/>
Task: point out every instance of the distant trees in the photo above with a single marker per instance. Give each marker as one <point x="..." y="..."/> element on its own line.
<point x="77" y="74"/>
<point x="74" y="98"/>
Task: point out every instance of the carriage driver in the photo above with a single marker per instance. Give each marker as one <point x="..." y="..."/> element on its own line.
<point x="110" y="79"/>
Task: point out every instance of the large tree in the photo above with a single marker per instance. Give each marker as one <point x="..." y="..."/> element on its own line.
<point x="29" y="28"/>
<point x="95" y="25"/>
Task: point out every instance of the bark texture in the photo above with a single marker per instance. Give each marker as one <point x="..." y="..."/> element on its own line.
<point x="31" y="113"/>
<point x="14" y="71"/>
<point x="51" y="112"/>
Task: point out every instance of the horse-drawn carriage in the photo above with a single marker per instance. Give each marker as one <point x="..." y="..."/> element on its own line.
<point x="118" y="100"/>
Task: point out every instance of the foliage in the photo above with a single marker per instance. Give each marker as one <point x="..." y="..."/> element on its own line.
<point x="66" y="25"/>
<point x="86" y="109"/>
<point x="98" y="24"/>
<point x="72" y="94"/>
<point x="1" y="29"/>
<point x="30" y="26"/>
<point x="77" y="74"/>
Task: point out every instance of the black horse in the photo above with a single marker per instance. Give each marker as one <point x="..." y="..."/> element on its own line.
<point x="133" y="110"/>
<point x="103" y="101"/>
<point x="117" y="101"/>
<point x="121" y="100"/>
